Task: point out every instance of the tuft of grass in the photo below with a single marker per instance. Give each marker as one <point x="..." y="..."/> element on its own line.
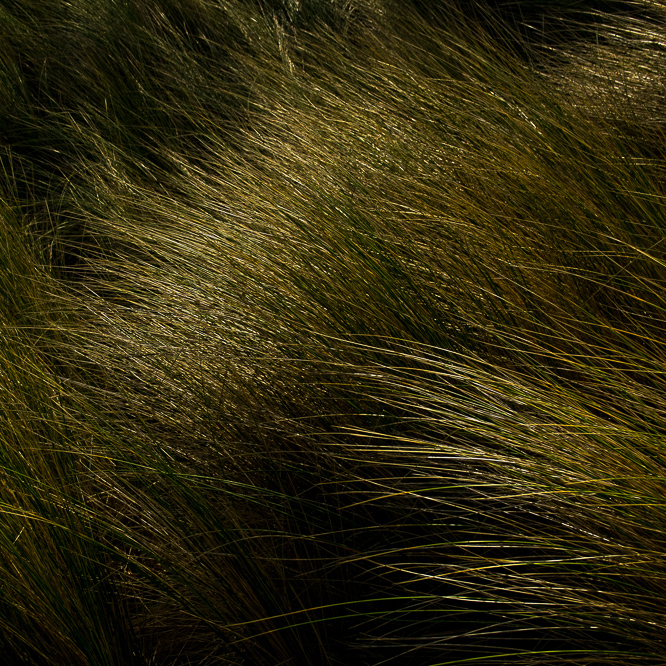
<point x="332" y="332"/>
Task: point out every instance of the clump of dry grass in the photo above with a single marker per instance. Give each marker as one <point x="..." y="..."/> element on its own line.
<point x="332" y="334"/>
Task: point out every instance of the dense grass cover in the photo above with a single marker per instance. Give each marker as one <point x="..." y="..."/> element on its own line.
<point x="332" y="332"/>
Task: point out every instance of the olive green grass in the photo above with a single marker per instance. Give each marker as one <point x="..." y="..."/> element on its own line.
<point x="332" y="333"/>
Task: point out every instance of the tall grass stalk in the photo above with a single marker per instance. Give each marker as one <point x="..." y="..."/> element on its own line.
<point x="332" y="333"/>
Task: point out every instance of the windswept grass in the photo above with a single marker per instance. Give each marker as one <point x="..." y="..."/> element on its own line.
<point x="332" y="333"/>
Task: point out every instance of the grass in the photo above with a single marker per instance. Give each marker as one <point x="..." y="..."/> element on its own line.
<point x="332" y="333"/>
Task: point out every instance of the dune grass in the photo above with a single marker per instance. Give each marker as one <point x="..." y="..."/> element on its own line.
<point x="332" y="333"/>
